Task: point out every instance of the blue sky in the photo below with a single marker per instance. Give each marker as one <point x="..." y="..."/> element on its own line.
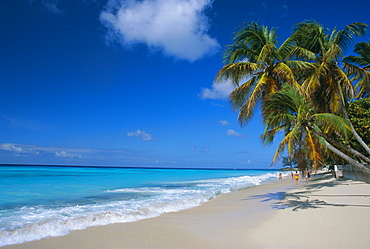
<point x="131" y="83"/>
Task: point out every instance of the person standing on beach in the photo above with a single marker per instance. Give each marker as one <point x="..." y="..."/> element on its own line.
<point x="296" y="177"/>
<point x="280" y="176"/>
<point x="307" y="176"/>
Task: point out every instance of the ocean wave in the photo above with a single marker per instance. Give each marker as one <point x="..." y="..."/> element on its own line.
<point x="37" y="222"/>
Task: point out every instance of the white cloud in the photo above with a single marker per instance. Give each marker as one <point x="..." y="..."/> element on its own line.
<point x="49" y="5"/>
<point x="25" y="153"/>
<point x="142" y="135"/>
<point x="22" y="149"/>
<point x="66" y="154"/>
<point x="177" y="27"/>
<point x="224" y="122"/>
<point x="12" y="147"/>
<point x="233" y="133"/>
<point x="53" y="7"/>
<point x="43" y="150"/>
<point x="220" y="90"/>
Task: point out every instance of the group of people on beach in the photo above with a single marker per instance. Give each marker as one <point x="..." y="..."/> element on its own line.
<point x="296" y="176"/>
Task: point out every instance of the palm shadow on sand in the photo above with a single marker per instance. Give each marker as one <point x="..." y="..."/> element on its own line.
<point x="308" y="198"/>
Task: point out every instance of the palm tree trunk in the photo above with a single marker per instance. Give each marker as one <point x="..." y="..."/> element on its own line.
<point x="358" y="138"/>
<point x="351" y="161"/>
<point x="349" y="150"/>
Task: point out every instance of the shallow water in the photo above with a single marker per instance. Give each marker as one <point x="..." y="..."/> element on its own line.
<point x="39" y="201"/>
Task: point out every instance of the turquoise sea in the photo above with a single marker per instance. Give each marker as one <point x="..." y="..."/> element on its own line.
<point x="42" y="201"/>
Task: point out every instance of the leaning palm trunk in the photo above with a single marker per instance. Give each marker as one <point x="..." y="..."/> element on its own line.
<point x="350" y="160"/>
<point x="349" y="150"/>
<point x="358" y="138"/>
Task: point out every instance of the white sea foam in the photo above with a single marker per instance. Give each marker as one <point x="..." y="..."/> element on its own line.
<point x="37" y="222"/>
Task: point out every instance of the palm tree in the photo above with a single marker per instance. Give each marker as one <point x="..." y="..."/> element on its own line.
<point x="359" y="68"/>
<point x="289" y="110"/>
<point x="328" y="85"/>
<point x="259" y="69"/>
<point x="361" y="75"/>
<point x="257" y="66"/>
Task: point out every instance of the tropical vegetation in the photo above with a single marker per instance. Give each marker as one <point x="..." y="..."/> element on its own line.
<point x="359" y="114"/>
<point x="303" y="88"/>
<point x="359" y="67"/>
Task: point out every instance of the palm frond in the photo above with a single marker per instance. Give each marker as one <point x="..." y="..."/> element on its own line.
<point x="354" y="29"/>
<point x="302" y="53"/>
<point x="362" y="87"/>
<point x="241" y="93"/>
<point x="309" y="35"/>
<point x="344" y="84"/>
<point x="283" y="73"/>
<point x="237" y="71"/>
<point x="267" y="53"/>
<point x="363" y="60"/>
<point x="301" y="69"/>
<point x="274" y="119"/>
<point x="312" y="81"/>
<point x="357" y="60"/>
<point x="256" y="95"/>
<point x="238" y="52"/>
<point x="333" y="52"/>
<point x="354" y="71"/>
<point x="249" y="41"/>
<point x="338" y="124"/>
<point x="363" y="49"/>
<point x="289" y="142"/>
<point x="269" y="134"/>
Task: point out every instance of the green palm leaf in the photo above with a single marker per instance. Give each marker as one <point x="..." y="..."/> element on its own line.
<point x="338" y="124"/>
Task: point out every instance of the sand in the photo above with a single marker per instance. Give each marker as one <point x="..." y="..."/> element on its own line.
<point x="326" y="213"/>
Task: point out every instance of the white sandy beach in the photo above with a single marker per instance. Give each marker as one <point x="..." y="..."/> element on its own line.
<point x="326" y="213"/>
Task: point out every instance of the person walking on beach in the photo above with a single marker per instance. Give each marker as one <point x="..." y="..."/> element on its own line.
<point x="307" y="176"/>
<point x="280" y="176"/>
<point x="292" y="175"/>
<point x="296" y="177"/>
